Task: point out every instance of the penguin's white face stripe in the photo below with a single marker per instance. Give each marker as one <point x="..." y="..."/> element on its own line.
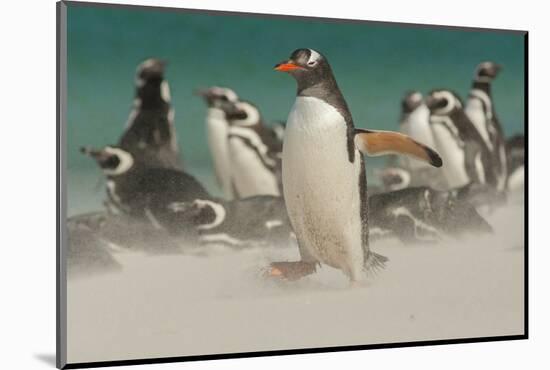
<point x="218" y="209"/>
<point x="224" y="91"/>
<point x="146" y="64"/>
<point x="313" y="57"/>
<point x="252" y="113"/>
<point x="416" y="97"/>
<point x="479" y="78"/>
<point x="125" y="158"/>
<point x="165" y="91"/>
<point x="452" y="102"/>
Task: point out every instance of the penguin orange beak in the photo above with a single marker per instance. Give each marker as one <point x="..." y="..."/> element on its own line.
<point x="287" y="66"/>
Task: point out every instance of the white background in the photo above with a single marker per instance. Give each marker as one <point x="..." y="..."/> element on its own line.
<point x="27" y="167"/>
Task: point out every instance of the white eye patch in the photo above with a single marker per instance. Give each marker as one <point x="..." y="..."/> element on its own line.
<point x="125" y="158"/>
<point x="313" y="57"/>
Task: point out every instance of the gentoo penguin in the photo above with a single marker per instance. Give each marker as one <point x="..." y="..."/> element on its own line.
<point x="422" y="214"/>
<point x="150" y="133"/>
<point x="217" y="127"/>
<point x="254" y="152"/>
<point x="415" y="123"/>
<point x="481" y="111"/>
<point x="240" y="223"/>
<point x="467" y="159"/>
<point x="142" y="192"/>
<point x="324" y="180"/>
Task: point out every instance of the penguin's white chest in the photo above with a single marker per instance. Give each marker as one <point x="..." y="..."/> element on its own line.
<point x="321" y="185"/>
<point x="251" y="167"/>
<point x="217" y="129"/>
<point x="417" y="126"/>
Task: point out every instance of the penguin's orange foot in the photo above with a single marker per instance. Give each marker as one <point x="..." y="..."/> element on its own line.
<point x="290" y="270"/>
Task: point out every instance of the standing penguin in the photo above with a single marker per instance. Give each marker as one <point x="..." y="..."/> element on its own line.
<point x="254" y="152"/>
<point x="481" y="111"/>
<point x="150" y="134"/>
<point x="467" y="159"/>
<point x="324" y="180"/>
<point x="217" y="128"/>
<point x="415" y="122"/>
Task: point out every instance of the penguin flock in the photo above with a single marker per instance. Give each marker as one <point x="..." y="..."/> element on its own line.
<point x="301" y="182"/>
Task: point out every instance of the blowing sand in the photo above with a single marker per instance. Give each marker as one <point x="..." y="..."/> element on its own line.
<point x="218" y="302"/>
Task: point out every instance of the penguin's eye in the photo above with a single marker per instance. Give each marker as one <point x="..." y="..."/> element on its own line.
<point x="224" y="98"/>
<point x="312" y="63"/>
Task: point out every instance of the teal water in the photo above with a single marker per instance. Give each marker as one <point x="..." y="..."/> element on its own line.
<point x="373" y="63"/>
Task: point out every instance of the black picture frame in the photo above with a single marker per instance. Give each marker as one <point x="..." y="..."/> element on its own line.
<point x="61" y="214"/>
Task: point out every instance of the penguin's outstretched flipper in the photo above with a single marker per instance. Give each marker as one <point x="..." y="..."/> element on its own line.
<point x="376" y="143"/>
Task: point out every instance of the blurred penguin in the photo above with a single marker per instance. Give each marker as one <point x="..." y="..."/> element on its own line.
<point x="142" y="192"/>
<point x="415" y="122"/>
<point x="217" y="129"/>
<point x="515" y="148"/>
<point x="150" y="133"/>
<point x="463" y="150"/>
<point x="253" y="221"/>
<point x="422" y="214"/>
<point x="481" y="111"/>
<point x="254" y="151"/>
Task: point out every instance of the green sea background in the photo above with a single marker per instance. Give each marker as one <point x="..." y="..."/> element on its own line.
<point x="374" y="64"/>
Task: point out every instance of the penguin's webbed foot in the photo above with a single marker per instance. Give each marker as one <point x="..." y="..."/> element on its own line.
<point x="291" y="271"/>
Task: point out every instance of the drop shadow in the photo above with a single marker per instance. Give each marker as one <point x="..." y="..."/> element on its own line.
<point x="47" y="358"/>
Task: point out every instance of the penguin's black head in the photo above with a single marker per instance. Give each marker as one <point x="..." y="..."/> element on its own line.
<point x="308" y="67"/>
<point x="443" y="102"/>
<point x="112" y="160"/>
<point x="411" y="101"/>
<point x="241" y="113"/>
<point x="150" y="70"/>
<point x="487" y="71"/>
<point x="216" y="96"/>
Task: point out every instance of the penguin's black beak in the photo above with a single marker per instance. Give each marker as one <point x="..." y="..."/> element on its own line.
<point x="287" y="66"/>
<point x="203" y="93"/>
<point x="98" y="155"/>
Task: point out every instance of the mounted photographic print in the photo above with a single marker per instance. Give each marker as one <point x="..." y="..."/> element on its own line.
<point x="234" y="184"/>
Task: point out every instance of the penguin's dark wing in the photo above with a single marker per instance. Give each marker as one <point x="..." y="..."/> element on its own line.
<point x="376" y="143"/>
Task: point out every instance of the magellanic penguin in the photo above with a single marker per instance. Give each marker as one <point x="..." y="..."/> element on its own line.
<point x="255" y="221"/>
<point x="217" y="128"/>
<point x="324" y="180"/>
<point x="150" y="133"/>
<point x="481" y="111"/>
<point x="415" y="123"/>
<point x="515" y="148"/>
<point x="142" y="192"/>
<point x="422" y="214"/>
<point x="254" y="152"/>
<point x="466" y="157"/>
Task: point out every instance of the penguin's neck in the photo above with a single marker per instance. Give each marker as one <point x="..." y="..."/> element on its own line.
<point x="150" y="95"/>
<point x="484" y="86"/>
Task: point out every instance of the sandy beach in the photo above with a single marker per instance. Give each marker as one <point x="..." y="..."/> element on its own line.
<point x="216" y="300"/>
